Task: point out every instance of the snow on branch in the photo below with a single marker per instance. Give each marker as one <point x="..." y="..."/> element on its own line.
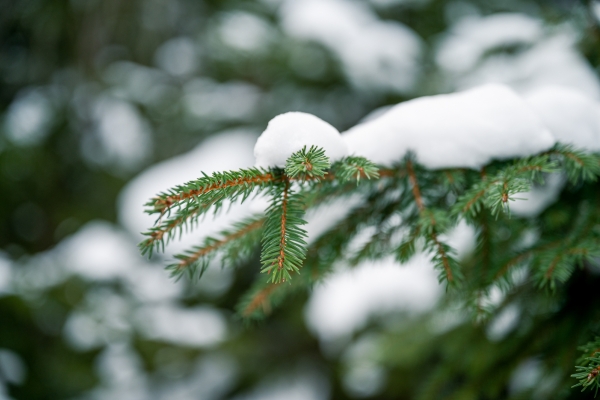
<point x="429" y="164"/>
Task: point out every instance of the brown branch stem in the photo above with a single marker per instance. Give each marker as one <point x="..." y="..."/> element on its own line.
<point x="260" y="299"/>
<point x="208" y="249"/>
<point x="284" y="204"/>
<point x="420" y="204"/>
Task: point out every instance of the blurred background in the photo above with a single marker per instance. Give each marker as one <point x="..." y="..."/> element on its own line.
<point x="105" y="103"/>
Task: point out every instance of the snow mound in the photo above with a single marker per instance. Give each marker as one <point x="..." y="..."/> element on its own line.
<point x="572" y="117"/>
<point x="472" y="37"/>
<point x="346" y="300"/>
<point x="287" y="133"/>
<point x="514" y="49"/>
<point x="374" y="54"/>
<point x="461" y="130"/>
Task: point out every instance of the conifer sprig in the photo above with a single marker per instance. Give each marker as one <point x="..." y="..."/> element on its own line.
<point x="579" y="165"/>
<point x="307" y="164"/>
<point x="431" y="224"/>
<point x="211" y="191"/>
<point x="588" y="375"/>
<point x="494" y="192"/>
<point x="233" y="245"/>
<point x="354" y="168"/>
<point x="283" y="242"/>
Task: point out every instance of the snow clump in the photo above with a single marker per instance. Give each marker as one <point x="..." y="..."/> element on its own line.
<point x="572" y="117"/>
<point x="461" y="130"/>
<point x="287" y="133"/>
<point x="375" y="55"/>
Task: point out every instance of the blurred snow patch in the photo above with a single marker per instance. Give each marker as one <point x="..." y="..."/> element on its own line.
<point x="503" y="323"/>
<point x="532" y="203"/>
<point x="229" y="150"/>
<point x="98" y="251"/>
<point x="136" y="82"/>
<point x="103" y="318"/>
<point x="121" y="374"/>
<point x="347" y="299"/>
<point x="151" y="283"/>
<point x="375" y="55"/>
<point x="364" y="377"/>
<point x="28" y="118"/>
<point x="466" y="129"/>
<point x="12" y="367"/>
<point x="472" y="37"/>
<point x="5" y="274"/>
<point x="210" y="378"/>
<point x="461" y="238"/>
<point x="571" y="116"/>
<point x="121" y="136"/>
<point x="178" y="56"/>
<point x="516" y="50"/>
<point x="526" y="376"/>
<point x="290" y="132"/>
<point x="303" y="384"/>
<point x="324" y="217"/>
<point x="392" y="3"/>
<point x="245" y="31"/>
<point x="195" y="327"/>
<point x="231" y="101"/>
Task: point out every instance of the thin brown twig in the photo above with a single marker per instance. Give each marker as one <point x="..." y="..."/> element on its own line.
<point x="162" y="204"/>
<point x="284" y="203"/>
<point x="420" y="204"/>
<point x="206" y="250"/>
<point x="260" y="299"/>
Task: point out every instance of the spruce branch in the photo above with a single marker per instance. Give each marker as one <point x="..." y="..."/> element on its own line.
<point x="234" y="245"/>
<point x="211" y="190"/>
<point x="588" y="375"/>
<point x="351" y="168"/>
<point x="495" y="192"/>
<point x="167" y="229"/>
<point x="307" y="164"/>
<point x="258" y="302"/>
<point x="559" y="264"/>
<point x="283" y="244"/>
<point x="579" y="165"/>
<point x="431" y="224"/>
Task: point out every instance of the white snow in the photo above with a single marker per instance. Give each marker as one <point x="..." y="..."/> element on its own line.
<point x="466" y="129"/>
<point x="474" y="52"/>
<point x="98" y="251"/>
<point x="532" y="203"/>
<point x="230" y="101"/>
<point x="196" y="327"/>
<point x="572" y="117"/>
<point x="470" y="38"/>
<point x="6" y="274"/>
<point x="178" y="56"/>
<point x="28" y="118"/>
<point x="375" y="55"/>
<point x="344" y="302"/>
<point x="287" y="133"/>
<point x="245" y="31"/>
<point x="121" y="136"/>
